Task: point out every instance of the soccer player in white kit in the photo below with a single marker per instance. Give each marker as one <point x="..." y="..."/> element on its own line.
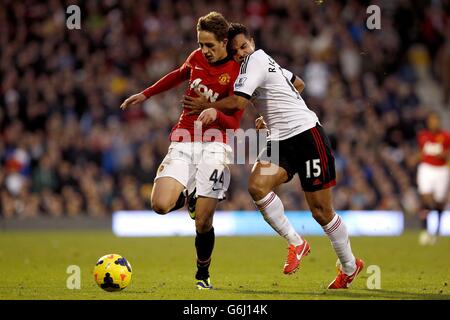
<point x="303" y="148"/>
<point x="433" y="174"/>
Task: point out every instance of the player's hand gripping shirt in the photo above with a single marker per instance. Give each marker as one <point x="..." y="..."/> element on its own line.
<point x="275" y="97"/>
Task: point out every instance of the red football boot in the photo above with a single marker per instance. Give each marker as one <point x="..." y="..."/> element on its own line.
<point x="295" y="254"/>
<point x="343" y="280"/>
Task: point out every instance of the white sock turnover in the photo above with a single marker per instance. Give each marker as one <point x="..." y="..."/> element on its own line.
<point x="272" y="210"/>
<point x="337" y="232"/>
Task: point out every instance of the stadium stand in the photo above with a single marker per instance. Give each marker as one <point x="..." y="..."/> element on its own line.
<point x="66" y="149"/>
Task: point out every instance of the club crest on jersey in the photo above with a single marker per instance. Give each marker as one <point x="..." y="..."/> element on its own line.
<point x="203" y="90"/>
<point x="224" y="79"/>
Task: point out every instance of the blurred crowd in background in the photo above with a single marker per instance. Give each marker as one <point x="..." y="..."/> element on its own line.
<point x="66" y="149"/>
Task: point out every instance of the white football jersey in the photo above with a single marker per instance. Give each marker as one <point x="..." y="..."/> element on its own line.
<point x="270" y="88"/>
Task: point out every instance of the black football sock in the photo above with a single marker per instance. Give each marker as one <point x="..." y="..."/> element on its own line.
<point x="424" y="224"/>
<point x="204" y="244"/>
<point x="439" y="213"/>
<point x="424" y="217"/>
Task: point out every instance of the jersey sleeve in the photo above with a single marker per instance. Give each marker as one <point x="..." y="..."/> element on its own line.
<point x="167" y="82"/>
<point x="229" y="121"/>
<point x="252" y="75"/>
<point x="289" y="75"/>
<point x="447" y="141"/>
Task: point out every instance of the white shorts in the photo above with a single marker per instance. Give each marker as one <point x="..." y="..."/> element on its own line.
<point x="433" y="180"/>
<point x="199" y="165"/>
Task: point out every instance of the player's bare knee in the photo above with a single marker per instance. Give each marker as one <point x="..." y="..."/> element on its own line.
<point x="203" y="225"/>
<point x="257" y="189"/>
<point x="322" y="214"/>
<point x="160" y="208"/>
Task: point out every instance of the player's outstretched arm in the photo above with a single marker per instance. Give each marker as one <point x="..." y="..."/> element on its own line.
<point x="167" y="82"/>
<point x="227" y="105"/>
<point x="210" y="115"/>
<point x="133" y="100"/>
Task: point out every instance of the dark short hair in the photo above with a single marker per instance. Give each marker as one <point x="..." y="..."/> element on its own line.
<point x="215" y="23"/>
<point x="237" y="28"/>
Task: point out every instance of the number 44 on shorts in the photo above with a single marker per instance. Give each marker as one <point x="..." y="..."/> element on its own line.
<point x="214" y="177"/>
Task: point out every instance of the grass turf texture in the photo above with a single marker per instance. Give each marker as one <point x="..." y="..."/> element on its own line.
<point x="34" y="264"/>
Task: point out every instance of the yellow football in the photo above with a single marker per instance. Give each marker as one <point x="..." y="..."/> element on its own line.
<point x="112" y="272"/>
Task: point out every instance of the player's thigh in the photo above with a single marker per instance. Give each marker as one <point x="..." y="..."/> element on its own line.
<point x="274" y="167"/>
<point x="166" y="191"/>
<point x="213" y="177"/>
<point x="315" y="160"/>
<point x="172" y="177"/>
<point x="441" y="187"/>
<point x="212" y="180"/>
<point x="264" y="177"/>
<point x="425" y="180"/>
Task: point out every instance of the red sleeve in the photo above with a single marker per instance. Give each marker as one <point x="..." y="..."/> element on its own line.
<point x="420" y="139"/>
<point x="233" y="79"/>
<point x="169" y="81"/>
<point x="229" y="122"/>
<point x="447" y="141"/>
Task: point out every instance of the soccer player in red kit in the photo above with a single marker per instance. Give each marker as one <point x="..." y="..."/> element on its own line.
<point x="433" y="173"/>
<point x="196" y="164"/>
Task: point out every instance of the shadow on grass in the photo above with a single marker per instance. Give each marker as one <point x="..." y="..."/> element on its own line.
<point x="345" y="294"/>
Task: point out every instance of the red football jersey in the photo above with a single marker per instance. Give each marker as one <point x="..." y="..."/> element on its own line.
<point x="212" y="81"/>
<point x="432" y="145"/>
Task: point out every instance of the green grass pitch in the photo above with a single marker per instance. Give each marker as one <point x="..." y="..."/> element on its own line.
<point x="34" y="264"/>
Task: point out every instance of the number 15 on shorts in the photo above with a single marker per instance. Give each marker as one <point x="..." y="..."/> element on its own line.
<point x="314" y="167"/>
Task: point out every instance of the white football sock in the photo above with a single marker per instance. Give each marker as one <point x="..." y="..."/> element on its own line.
<point x="337" y="232"/>
<point x="272" y="210"/>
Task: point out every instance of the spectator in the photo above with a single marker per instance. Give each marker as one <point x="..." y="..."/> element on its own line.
<point x="67" y="149"/>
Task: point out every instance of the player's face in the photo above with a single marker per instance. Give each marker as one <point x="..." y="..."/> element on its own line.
<point x="433" y="122"/>
<point x="212" y="49"/>
<point x="241" y="47"/>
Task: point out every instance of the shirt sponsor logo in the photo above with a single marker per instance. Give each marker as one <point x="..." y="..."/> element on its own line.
<point x="203" y="90"/>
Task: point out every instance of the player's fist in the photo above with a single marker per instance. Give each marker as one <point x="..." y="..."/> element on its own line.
<point x="260" y="123"/>
<point x="207" y="116"/>
<point x="132" y="100"/>
<point x="196" y="104"/>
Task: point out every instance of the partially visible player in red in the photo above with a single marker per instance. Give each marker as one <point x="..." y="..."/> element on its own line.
<point x="433" y="173"/>
<point x="196" y="165"/>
